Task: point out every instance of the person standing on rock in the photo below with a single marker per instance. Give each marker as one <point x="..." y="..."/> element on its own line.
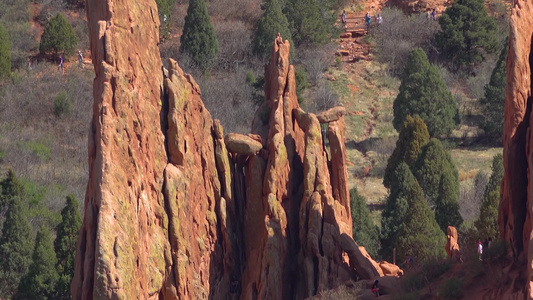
<point x="375" y="288"/>
<point x="368" y="19"/>
<point x="343" y="18"/>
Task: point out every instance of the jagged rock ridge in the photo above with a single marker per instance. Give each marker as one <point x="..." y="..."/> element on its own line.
<point x="170" y="213"/>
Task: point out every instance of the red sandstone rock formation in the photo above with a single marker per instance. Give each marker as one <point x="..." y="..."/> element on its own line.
<point x="170" y="213"/>
<point x="515" y="210"/>
<point x="452" y="247"/>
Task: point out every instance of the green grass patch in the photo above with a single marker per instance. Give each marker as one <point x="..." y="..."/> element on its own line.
<point x="39" y="149"/>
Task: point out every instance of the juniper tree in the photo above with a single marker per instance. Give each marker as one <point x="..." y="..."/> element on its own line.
<point x="306" y="23"/>
<point x="467" y="33"/>
<point x="65" y="246"/>
<point x="58" y="36"/>
<point x="365" y="232"/>
<point x="423" y="93"/>
<point x="413" y="136"/>
<point x="5" y="53"/>
<point x="199" y="40"/>
<point x="40" y="281"/>
<point x="494" y="99"/>
<point x="396" y="209"/>
<point x="16" y="242"/>
<point x="487" y="223"/>
<point x="437" y="175"/>
<point x="272" y="22"/>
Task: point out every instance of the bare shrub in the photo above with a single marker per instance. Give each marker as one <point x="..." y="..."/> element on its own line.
<point x="471" y="196"/>
<point x="399" y="34"/>
<point x="316" y="61"/>
<point x="321" y="98"/>
<point x="247" y="11"/>
<point x="228" y="98"/>
<point x="234" y="44"/>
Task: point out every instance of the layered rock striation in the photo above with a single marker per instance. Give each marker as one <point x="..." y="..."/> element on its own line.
<point x="175" y="209"/>
<point x="516" y="206"/>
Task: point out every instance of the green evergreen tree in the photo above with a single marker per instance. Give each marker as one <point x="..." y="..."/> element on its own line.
<point x="467" y="33"/>
<point x="396" y="209"/>
<point x="65" y="246"/>
<point x="5" y="53"/>
<point x="39" y="283"/>
<point x="413" y="136"/>
<point x="16" y="245"/>
<point x="199" y="40"/>
<point x="365" y="232"/>
<point x="164" y="10"/>
<point x="447" y="202"/>
<point x="423" y="93"/>
<point x="437" y="175"/>
<point x="272" y="22"/>
<point x="58" y="36"/>
<point x="487" y="223"/>
<point x="306" y="22"/>
<point x="494" y="100"/>
<point x="420" y="235"/>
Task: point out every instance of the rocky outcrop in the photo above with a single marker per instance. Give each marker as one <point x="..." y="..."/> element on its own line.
<point x="515" y="209"/>
<point x="175" y="210"/>
<point x="452" y="247"/>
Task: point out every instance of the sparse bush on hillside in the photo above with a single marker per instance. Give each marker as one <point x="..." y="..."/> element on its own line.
<point x="269" y="25"/>
<point x="62" y="104"/>
<point x="467" y="34"/>
<point x="399" y="35"/>
<point x="58" y="36"/>
<point x="316" y="61"/>
<point x="451" y="288"/>
<point x="423" y="93"/>
<point x="246" y="11"/>
<point x="235" y="45"/>
<point x="5" y="53"/>
<point x="323" y="98"/>
<point x="199" y="40"/>
<point x="471" y="195"/>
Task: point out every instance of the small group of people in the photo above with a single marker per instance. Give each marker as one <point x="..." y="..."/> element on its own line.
<point x="480" y="247"/>
<point x="368" y="19"/>
<point x="431" y="15"/>
<point x="62" y="62"/>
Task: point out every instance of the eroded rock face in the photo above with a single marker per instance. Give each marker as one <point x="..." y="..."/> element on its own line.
<point x="170" y="213"/>
<point x="452" y="247"/>
<point x="515" y="210"/>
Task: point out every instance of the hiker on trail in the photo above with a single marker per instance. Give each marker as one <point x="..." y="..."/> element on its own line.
<point x="479" y="249"/>
<point x="61" y="62"/>
<point x="379" y="19"/>
<point x="408" y="261"/>
<point x="428" y="14"/>
<point x="80" y="59"/>
<point x="434" y="15"/>
<point x="343" y="18"/>
<point x="368" y="19"/>
<point x="375" y="288"/>
<point x="489" y="242"/>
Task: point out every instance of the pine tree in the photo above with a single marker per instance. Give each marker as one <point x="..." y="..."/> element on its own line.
<point x="306" y="22"/>
<point x="199" y="40"/>
<point x="365" y="232"/>
<point x="15" y="246"/>
<point x="164" y="10"/>
<point x="413" y="136"/>
<point x="467" y="33"/>
<point x="437" y="175"/>
<point x="423" y="93"/>
<point x="42" y="276"/>
<point x="58" y="36"/>
<point x="420" y="235"/>
<point x="5" y="53"/>
<point x="494" y="100"/>
<point x="65" y="246"/>
<point x="272" y="22"/>
<point x="396" y="209"/>
<point x="487" y="223"/>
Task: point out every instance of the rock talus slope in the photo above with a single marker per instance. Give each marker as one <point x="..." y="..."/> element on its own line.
<point x="516" y="205"/>
<point x="176" y="210"/>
